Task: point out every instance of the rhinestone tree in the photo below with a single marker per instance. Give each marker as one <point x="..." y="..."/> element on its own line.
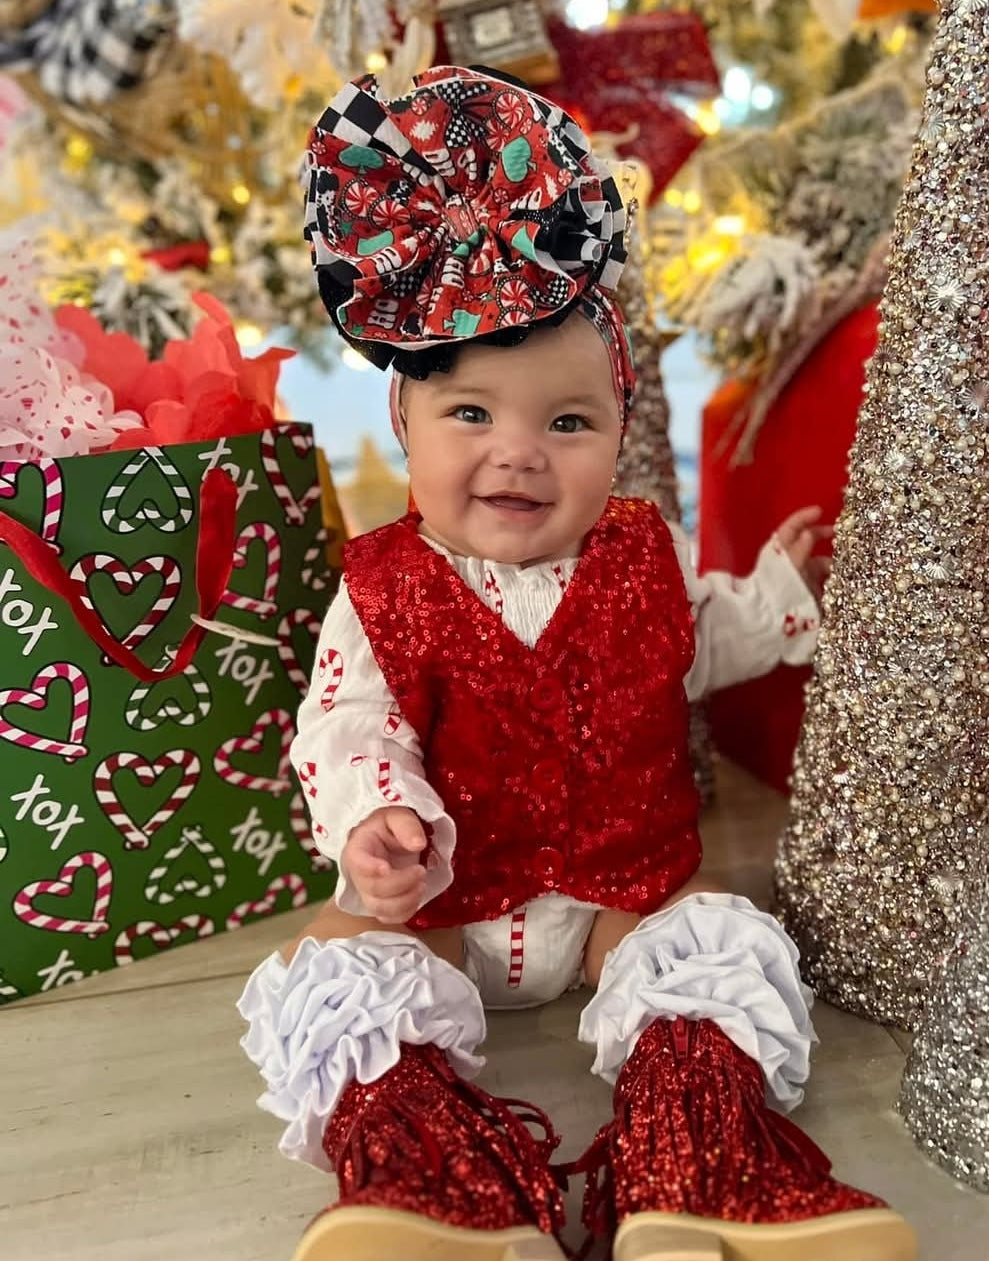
<point x="945" y="1094"/>
<point x="891" y="773"/>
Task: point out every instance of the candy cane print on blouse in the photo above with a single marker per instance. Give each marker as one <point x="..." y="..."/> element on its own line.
<point x="62" y="887"/>
<point x="272" y="442"/>
<point x="253" y="743"/>
<point x="393" y="719"/>
<point x="54" y="502"/>
<point x="384" y="782"/>
<point x="147" y="510"/>
<point x="146" y="773"/>
<point x="307" y="778"/>
<point x="267" y="603"/>
<point x="329" y="674"/>
<point x="36" y="697"/>
<point x="160" y="935"/>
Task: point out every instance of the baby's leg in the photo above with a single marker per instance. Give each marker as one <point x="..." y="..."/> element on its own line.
<point x="365" y="1034"/>
<point x="611" y="927"/>
<point x="330" y="922"/>
<point x="701" y="1021"/>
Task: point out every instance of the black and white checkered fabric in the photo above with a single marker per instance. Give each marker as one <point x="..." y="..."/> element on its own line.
<point x="359" y="117"/>
<point x="86" y="52"/>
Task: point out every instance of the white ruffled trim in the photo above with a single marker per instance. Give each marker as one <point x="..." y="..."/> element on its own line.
<point x="712" y="956"/>
<point x="337" y="1012"/>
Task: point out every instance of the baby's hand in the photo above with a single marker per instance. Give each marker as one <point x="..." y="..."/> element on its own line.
<point x="381" y="860"/>
<point x="798" y="536"/>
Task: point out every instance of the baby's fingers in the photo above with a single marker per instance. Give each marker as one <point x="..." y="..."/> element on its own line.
<point x="393" y="909"/>
<point x="365" y="864"/>
<point x="404" y="832"/>
<point x="796" y="523"/>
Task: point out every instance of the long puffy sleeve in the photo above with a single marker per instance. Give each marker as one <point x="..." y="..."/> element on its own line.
<point x="745" y="627"/>
<point x="354" y="753"/>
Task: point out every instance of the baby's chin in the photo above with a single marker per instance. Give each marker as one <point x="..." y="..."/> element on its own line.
<point x="534" y="555"/>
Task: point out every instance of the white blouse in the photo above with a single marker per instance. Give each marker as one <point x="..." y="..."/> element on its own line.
<point x="354" y="752"/>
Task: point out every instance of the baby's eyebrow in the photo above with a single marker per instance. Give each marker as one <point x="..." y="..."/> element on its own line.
<point x="584" y="400"/>
<point x="453" y="385"/>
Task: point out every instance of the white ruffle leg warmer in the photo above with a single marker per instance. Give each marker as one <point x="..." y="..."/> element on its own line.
<point x="711" y="956"/>
<point x="340" y="1011"/>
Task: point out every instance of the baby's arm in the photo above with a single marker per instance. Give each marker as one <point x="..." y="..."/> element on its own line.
<point x="745" y="627"/>
<point x="357" y="757"/>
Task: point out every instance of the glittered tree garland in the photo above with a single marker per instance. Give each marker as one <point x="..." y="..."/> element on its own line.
<point x="891" y="774"/>
<point x="945" y="1094"/>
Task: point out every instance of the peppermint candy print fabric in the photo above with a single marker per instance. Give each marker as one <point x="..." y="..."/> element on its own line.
<point x="465" y="206"/>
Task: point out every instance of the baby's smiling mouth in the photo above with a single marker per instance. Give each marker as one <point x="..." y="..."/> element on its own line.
<point x="513" y="501"/>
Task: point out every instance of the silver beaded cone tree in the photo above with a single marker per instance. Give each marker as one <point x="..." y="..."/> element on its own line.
<point x="891" y="772"/>
<point x="945" y="1093"/>
<point x="646" y="467"/>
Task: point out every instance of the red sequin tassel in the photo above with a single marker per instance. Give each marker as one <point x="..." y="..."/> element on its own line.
<point x="693" y="1137"/>
<point x="422" y="1140"/>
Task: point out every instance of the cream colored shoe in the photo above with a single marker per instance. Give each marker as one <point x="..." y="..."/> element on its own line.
<point x="872" y="1234"/>
<point x="380" y="1234"/>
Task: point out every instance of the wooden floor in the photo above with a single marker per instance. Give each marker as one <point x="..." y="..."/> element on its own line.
<point x="128" y="1130"/>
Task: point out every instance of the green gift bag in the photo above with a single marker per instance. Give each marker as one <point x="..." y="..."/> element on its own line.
<point x="159" y="610"/>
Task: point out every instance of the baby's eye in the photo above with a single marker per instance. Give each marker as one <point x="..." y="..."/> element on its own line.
<point x="568" y="424"/>
<point x="472" y="415"/>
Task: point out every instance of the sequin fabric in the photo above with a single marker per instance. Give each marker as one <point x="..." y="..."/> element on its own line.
<point x="564" y="767"/>
<point x="422" y="1139"/>
<point x="692" y="1134"/>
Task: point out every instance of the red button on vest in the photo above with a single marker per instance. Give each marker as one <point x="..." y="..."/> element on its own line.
<point x="548" y="775"/>
<point x="546" y="694"/>
<point x="548" y="863"/>
<point x="599" y="700"/>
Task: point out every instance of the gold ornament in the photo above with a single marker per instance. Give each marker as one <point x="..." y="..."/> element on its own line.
<point x="889" y="805"/>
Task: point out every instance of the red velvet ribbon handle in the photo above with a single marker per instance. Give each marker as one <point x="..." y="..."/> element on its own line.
<point x="214" y="563"/>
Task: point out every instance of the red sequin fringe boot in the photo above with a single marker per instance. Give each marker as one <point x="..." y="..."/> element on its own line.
<point x="696" y="1167"/>
<point x="432" y="1168"/>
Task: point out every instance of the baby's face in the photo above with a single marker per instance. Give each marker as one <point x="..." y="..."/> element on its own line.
<point x="512" y="454"/>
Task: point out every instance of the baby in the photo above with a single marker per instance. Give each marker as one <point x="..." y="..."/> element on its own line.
<point x="494" y="746"/>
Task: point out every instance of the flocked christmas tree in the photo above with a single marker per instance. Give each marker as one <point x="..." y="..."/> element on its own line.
<point x="891" y="775"/>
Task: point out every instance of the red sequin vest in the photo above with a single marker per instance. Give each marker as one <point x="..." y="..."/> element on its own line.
<point x="565" y="766"/>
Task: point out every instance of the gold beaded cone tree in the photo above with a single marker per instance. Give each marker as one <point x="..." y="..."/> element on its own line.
<point x="646" y="468"/>
<point x="892" y="768"/>
<point x="944" y="1098"/>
